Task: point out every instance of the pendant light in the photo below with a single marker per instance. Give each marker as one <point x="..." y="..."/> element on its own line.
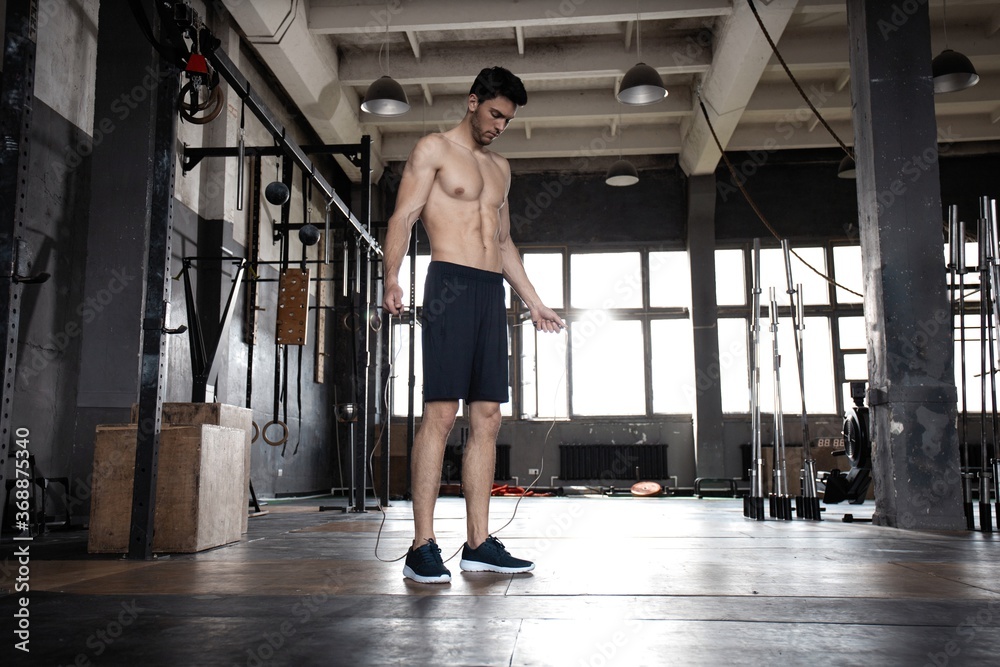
<point x="385" y="97"/>
<point x="952" y="70"/>
<point x="642" y="84"/>
<point x="847" y="168"/>
<point x="622" y="172"/>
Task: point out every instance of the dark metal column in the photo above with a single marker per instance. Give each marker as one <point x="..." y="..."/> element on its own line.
<point x="18" y="86"/>
<point x="157" y="296"/>
<point x="383" y="389"/>
<point x="411" y="370"/>
<point x="709" y="447"/>
<point x="910" y="350"/>
<point x="365" y="387"/>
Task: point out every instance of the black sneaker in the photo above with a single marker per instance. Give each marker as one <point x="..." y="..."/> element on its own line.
<point x="492" y="556"/>
<point x="424" y="565"/>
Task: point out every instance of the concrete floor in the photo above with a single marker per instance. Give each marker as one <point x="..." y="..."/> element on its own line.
<point x="619" y="581"/>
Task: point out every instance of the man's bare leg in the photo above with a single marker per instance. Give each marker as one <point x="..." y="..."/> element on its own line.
<point x="478" y="464"/>
<point x="428" y="456"/>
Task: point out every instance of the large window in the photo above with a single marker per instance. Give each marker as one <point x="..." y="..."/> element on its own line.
<point x="608" y="366"/>
<point x="730" y="281"/>
<point x="545" y="270"/>
<point x="736" y="346"/>
<point x="736" y="336"/>
<point x="605" y="280"/>
<point x="815" y="288"/>
<point x="734" y="378"/>
<point x="847" y="272"/>
<point x="543" y="375"/>
<point x="817" y="363"/>
<point x="669" y="280"/>
<point x="968" y="337"/>
<point x="543" y="355"/>
<point x="628" y="349"/>
<point x="672" y="367"/>
<point x="852" y="348"/>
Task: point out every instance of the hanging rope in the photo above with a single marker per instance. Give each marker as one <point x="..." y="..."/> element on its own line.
<point x="756" y="209"/>
<point x="781" y="60"/>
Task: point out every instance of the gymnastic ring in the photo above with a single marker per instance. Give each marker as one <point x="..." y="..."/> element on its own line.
<point x="188" y="111"/>
<point x="284" y="435"/>
<point x="353" y="325"/>
<point x="256" y="432"/>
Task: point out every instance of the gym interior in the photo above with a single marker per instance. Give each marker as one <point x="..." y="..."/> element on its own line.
<point x="767" y="434"/>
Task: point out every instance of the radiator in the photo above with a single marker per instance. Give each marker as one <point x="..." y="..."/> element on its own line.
<point x="612" y="462"/>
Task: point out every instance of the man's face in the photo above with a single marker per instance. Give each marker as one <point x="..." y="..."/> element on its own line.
<point x="490" y="118"/>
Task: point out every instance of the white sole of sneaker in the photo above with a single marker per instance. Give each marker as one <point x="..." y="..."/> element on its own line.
<point x="473" y="566"/>
<point x="420" y="579"/>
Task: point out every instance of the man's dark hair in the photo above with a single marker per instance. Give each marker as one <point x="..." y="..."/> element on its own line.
<point x="493" y="82"/>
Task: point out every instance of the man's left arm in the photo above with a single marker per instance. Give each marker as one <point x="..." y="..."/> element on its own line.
<point x="544" y="318"/>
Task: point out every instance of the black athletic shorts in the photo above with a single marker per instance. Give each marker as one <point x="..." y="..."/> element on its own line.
<point x="464" y="334"/>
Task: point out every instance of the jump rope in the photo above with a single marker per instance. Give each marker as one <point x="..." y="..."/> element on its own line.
<point x="385" y="402"/>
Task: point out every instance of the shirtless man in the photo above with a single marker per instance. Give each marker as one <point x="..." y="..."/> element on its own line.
<point x="458" y="188"/>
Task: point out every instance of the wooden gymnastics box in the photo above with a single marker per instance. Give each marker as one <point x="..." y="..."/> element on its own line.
<point x="218" y="414"/>
<point x="200" y="490"/>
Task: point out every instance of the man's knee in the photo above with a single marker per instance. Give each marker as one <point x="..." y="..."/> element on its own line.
<point x="486" y="418"/>
<point x="439" y="416"/>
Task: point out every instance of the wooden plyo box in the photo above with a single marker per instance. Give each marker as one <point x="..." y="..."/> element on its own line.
<point x="218" y="414"/>
<point x="200" y="494"/>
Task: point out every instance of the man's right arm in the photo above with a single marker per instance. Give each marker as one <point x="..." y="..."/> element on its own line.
<point x="418" y="178"/>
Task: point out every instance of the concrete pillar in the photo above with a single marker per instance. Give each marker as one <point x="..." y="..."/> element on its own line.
<point x="111" y="313"/>
<point x="709" y="453"/>
<point x="910" y="349"/>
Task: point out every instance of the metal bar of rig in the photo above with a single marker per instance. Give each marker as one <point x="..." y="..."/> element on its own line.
<point x="986" y="476"/>
<point x="754" y="502"/>
<point x="781" y="502"/>
<point x="956" y="269"/>
<point x="807" y="502"/>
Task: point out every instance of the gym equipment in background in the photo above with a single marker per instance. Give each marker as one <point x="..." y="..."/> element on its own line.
<point x="852" y="486"/>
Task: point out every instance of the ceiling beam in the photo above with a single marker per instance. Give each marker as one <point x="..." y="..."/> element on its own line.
<point x="459" y="64"/>
<point x="307" y="69"/>
<point x="825" y="48"/>
<point x="952" y="129"/>
<point x="587" y="105"/>
<point x="344" y="17"/>
<point x="993" y="24"/>
<point x="567" y="143"/>
<point x="782" y="97"/>
<point x="660" y="139"/>
<point x="741" y="54"/>
<point x="414" y="41"/>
